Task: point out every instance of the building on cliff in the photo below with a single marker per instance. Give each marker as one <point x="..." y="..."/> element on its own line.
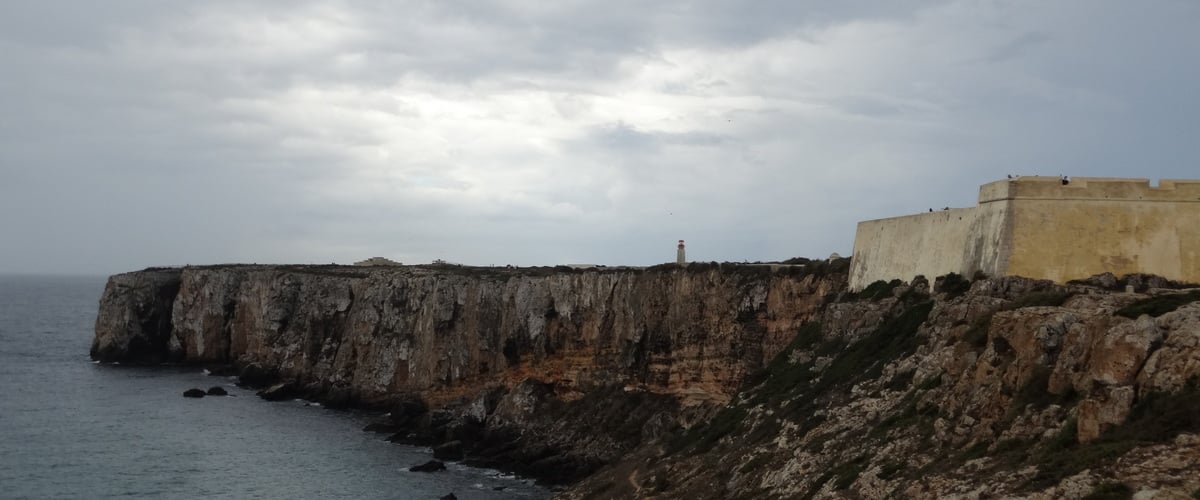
<point x="377" y="261"/>
<point x="1042" y="227"/>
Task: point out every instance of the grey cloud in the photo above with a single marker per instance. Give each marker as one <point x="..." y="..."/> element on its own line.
<point x="152" y="132"/>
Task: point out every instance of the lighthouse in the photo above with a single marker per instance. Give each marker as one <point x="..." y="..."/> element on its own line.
<point x="680" y="255"/>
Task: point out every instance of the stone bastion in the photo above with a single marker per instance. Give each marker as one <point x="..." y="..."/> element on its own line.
<point x="1041" y="227"/>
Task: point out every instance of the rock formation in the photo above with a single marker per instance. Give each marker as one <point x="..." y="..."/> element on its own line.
<point x="711" y="381"/>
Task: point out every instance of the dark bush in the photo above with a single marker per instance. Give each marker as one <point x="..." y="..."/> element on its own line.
<point x="952" y="284"/>
<point x="1110" y="491"/>
<point x="1158" y="305"/>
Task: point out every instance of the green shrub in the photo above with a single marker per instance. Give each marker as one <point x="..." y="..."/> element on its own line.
<point x="1050" y="298"/>
<point x="1158" y="306"/>
<point x="953" y="285"/>
<point x="879" y="290"/>
<point x="704" y="437"/>
<point x="1156" y="418"/>
<point x="1110" y="491"/>
<point x="845" y="474"/>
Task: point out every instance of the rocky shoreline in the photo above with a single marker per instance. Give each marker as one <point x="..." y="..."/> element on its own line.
<point x="714" y="381"/>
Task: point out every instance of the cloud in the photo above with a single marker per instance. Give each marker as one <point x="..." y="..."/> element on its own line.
<point x="537" y="133"/>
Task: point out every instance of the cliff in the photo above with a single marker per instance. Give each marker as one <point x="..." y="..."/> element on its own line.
<point x="665" y="337"/>
<point x="1006" y="387"/>
<point x="714" y="381"/>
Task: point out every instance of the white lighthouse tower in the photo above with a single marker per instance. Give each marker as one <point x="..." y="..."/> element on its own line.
<point x="680" y="255"/>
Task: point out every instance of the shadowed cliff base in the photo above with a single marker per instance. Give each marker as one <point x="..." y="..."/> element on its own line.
<point x="717" y="381"/>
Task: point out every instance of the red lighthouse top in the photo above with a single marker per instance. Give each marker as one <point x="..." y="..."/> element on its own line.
<point x="680" y="243"/>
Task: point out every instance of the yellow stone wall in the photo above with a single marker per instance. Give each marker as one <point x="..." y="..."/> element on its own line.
<point x="1038" y="227"/>
<point x="1091" y="226"/>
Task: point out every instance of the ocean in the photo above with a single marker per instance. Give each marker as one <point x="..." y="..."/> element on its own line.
<point x="71" y="428"/>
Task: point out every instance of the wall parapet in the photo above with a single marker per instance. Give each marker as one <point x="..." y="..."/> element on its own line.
<point x="1091" y="188"/>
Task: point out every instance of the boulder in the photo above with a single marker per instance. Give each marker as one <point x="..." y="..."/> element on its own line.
<point x="222" y="371"/>
<point x="451" y="450"/>
<point x="255" y="375"/>
<point x="407" y="409"/>
<point x="217" y="391"/>
<point x="279" y="392"/>
<point x="430" y="466"/>
<point x="193" y="393"/>
<point x="449" y="497"/>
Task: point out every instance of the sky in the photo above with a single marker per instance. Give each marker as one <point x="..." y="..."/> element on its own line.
<point x="138" y="133"/>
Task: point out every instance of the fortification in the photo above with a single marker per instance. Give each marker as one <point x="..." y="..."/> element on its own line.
<point x="1039" y="227"/>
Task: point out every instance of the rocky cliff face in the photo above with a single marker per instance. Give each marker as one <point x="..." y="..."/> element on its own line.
<point x="462" y="339"/>
<point x="714" y="382"/>
<point x="1013" y="388"/>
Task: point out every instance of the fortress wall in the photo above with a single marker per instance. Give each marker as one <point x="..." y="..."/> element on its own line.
<point x="961" y="240"/>
<point x="1073" y="238"/>
<point x="1040" y="228"/>
<point x="1091" y="188"/>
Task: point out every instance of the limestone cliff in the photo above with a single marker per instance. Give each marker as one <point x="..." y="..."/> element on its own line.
<point x="681" y="338"/>
<point x="714" y="381"/>
<point x="1009" y="388"/>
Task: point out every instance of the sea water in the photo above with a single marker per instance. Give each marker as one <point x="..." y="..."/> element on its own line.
<point x="71" y="428"/>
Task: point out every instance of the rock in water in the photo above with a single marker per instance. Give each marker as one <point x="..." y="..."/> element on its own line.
<point x="255" y="375"/>
<point x="193" y="393"/>
<point x="430" y="466"/>
<point x="217" y="391"/>
<point x="449" y="497"/>
<point x="278" y="392"/>
<point x="452" y="450"/>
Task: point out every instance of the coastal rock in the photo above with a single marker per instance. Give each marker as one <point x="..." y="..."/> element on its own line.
<point x="255" y="375"/>
<point x="279" y="392"/>
<point x="193" y="393"/>
<point x="217" y="391"/>
<point x="134" y="323"/>
<point x="451" y="450"/>
<point x="430" y="466"/>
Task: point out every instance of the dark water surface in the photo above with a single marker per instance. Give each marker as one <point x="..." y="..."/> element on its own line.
<point x="73" y="429"/>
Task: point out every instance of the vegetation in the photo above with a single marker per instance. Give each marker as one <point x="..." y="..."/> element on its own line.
<point x="1046" y="298"/>
<point x="1157" y="418"/>
<point x="1110" y="491"/>
<point x="879" y="290"/>
<point x="795" y="387"/>
<point x="703" y="437"/>
<point x="953" y="285"/>
<point x="1158" y="305"/>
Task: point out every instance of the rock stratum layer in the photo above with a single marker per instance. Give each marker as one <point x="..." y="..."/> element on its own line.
<point x="726" y="381"/>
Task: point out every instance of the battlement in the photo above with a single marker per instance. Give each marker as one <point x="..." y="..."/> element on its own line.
<point x="1091" y="188"/>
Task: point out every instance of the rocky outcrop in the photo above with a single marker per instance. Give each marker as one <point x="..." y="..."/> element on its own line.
<point x="1016" y="388"/>
<point x="714" y="381"/>
<point x="135" y="316"/>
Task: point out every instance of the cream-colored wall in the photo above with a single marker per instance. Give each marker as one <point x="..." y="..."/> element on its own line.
<point x="1038" y="227"/>
<point x="961" y="240"/>
<point x="1093" y="226"/>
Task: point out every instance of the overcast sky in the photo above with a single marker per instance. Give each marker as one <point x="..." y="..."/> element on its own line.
<point x="152" y="132"/>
